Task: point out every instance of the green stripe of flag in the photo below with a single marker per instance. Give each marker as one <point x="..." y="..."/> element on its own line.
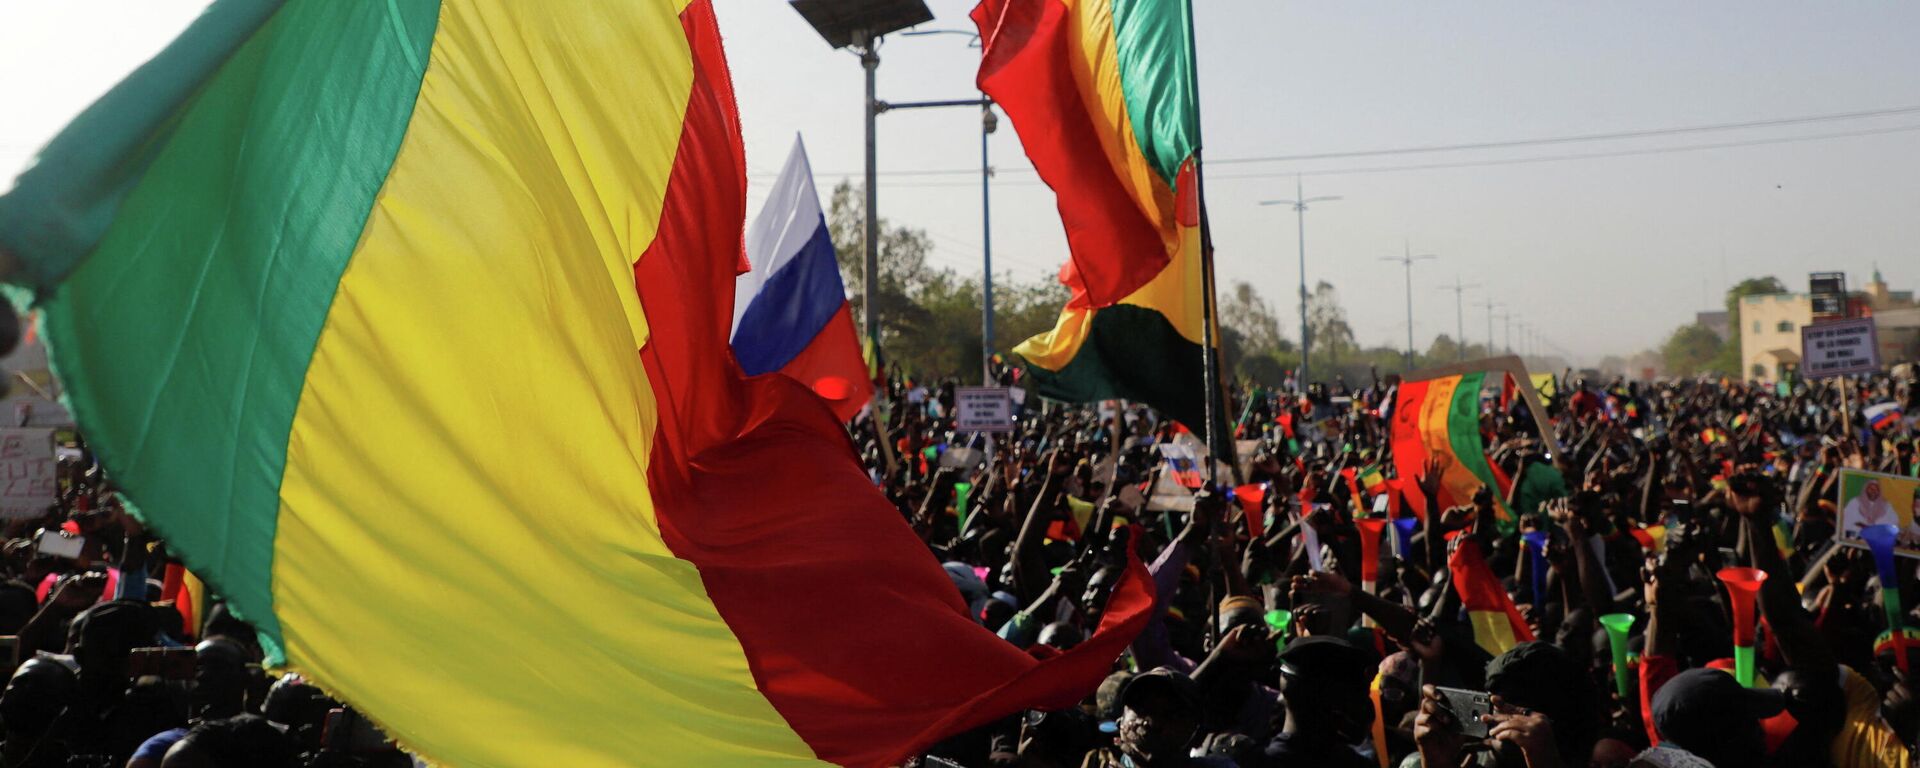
<point x="1463" y="434"/>
<point x="1133" y="353"/>
<point x="1154" y="48"/>
<point x="200" y="308"/>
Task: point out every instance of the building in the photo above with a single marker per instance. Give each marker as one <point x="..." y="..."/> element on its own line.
<point x="1770" y="333"/>
<point x="1770" y="327"/>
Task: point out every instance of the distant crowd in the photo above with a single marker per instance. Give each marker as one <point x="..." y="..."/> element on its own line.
<point x="1307" y="612"/>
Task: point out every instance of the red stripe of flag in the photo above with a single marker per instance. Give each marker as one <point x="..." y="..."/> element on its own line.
<point x="850" y="630"/>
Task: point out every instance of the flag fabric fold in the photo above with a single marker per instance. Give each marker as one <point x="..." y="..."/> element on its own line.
<point x="1101" y="93"/>
<point x="1440" y="417"/>
<point x="410" y="337"/>
<point x="1147" y="348"/>
<point x="790" y="310"/>
<point x="1497" y="625"/>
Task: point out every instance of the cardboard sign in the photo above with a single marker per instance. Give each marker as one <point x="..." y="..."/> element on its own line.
<point x="1871" y="498"/>
<point x="983" y="409"/>
<point x="27" y="481"/>
<point x="1243" y="453"/>
<point x="1168" y="495"/>
<point x="969" y="459"/>
<point x="1839" y="348"/>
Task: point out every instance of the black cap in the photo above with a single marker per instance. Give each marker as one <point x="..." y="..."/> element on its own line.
<point x="1163" y="680"/>
<point x="1699" y="706"/>
<point x="1326" y="658"/>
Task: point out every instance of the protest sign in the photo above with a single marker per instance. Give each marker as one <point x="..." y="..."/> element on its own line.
<point x="1871" y="498"/>
<point x="27" y="481"/>
<point x="1838" y="348"/>
<point x="983" y="409"/>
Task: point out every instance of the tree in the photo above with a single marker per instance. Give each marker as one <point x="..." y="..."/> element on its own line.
<point x="903" y="263"/>
<point x="1727" y="360"/>
<point x="1690" y="350"/>
<point x="1328" y="333"/>
<point x="1246" y="311"/>
<point x="930" y="317"/>
<point x="1251" y="344"/>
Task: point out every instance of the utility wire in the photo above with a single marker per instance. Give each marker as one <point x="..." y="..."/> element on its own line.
<point x="1489" y="162"/>
<point x="1483" y="145"/>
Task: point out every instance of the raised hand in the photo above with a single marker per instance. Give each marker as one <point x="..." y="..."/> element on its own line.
<point x="1431" y="474"/>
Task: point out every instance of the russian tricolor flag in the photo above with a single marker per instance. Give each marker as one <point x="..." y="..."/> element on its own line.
<point x="1882" y="416"/>
<point x="790" y="311"/>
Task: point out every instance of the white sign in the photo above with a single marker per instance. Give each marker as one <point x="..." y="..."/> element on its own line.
<point x="27" y="481"/>
<point x="983" y="409"/>
<point x="1838" y="348"/>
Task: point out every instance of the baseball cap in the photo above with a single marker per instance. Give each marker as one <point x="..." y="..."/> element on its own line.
<point x="1699" y="706"/>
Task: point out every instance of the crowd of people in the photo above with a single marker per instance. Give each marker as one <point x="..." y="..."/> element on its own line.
<point x="1278" y="637"/>
<point x="1268" y="647"/>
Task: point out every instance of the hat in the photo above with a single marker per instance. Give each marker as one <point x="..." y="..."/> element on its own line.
<point x="1325" y="658"/>
<point x="1532" y="674"/>
<point x="1106" y="699"/>
<point x="1160" y="680"/>
<point x="1248" y="606"/>
<point x="966" y="580"/>
<point x="1699" y="706"/>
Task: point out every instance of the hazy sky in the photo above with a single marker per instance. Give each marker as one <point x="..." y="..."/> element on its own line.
<point x="1601" y="255"/>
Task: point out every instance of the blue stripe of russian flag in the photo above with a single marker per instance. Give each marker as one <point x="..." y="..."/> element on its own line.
<point x="793" y="286"/>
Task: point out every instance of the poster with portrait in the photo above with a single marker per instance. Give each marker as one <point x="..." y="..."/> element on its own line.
<point x="1871" y="498"/>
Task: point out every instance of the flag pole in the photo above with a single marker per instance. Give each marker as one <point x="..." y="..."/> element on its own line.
<point x="1209" y="353"/>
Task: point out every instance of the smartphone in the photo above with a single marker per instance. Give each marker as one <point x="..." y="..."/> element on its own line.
<point x="165" y="663"/>
<point x="1466" y="708"/>
<point x="59" y="544"/>
<point x="346" y="731"/>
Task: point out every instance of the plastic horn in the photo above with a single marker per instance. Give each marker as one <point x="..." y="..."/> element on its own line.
<point x="961" y="491"/>
<point x="1252" y="498"/>
<point x="1537" y="562"/>
<point x="1403" y="532"/>
<point x="1379" y="721"/>
<point x="1617" y="625"/>
<point x="1370" y="530"/>
<point x="1743" y="585"/>
<point x="1880" y="541"/>
<point x="1279" y="620"/>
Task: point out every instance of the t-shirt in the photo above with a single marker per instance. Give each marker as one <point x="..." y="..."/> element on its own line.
<point x="1865" y="739"/>
<point x="155" y="747"/>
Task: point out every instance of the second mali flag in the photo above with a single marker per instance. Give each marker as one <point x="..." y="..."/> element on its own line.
<point x="1102" y="94"/>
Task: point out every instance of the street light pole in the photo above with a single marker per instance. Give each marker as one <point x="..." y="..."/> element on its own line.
<point x="987" y="124"/>
<point x="1459" y="316"/>
<point x="870" y="270"/>
<point x="1299" y="203"/>
<point x="1489" y="305"/>
<point x="1407" y="259"/>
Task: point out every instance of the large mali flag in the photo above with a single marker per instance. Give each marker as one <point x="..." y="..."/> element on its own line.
<point x="1102" y="95"/>
<point x="1441" y="417"/>
<point x="405" y="324"/>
